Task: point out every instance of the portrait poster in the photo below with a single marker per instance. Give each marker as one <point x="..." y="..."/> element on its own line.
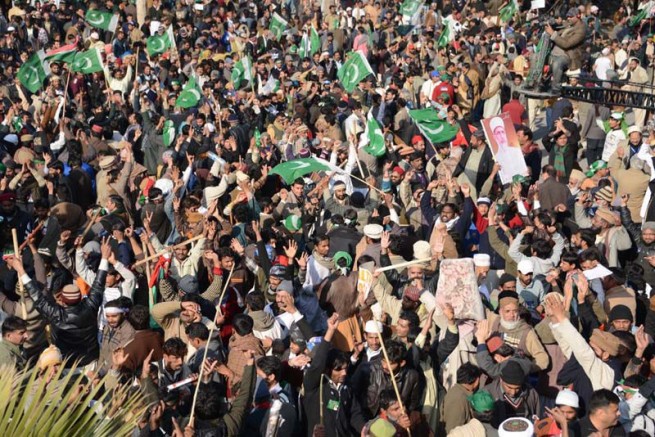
<point x="458" y="286"/>
<point x="504" y="144"/>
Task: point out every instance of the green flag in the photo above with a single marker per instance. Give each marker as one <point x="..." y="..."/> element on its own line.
<point x="88" y="62"/>
<point x="310" y="43"/>
<point x="292" y="170"/>
<point x="508" y="11"/>
<point x="445" y="36"/>
<point x="642" y="15"/>
<point x="17" y="123"/>
<point x="32" y="73"/>
<point x="190" y="95"/>
<point x="373" y="139"/>
<point x="355" y="69"/>
<point x="169" y="133"/>
<point x="158" y="44"/>
<point x="278" y="25"/>
<point x="434" y="128"/>
<point x="258" y="138"/>
<point x="242" y="71"/>
<point x="102" y="20"/>
<point x="410" y="7"/>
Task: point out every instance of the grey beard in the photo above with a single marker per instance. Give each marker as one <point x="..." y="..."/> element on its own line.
<point x="509" y="325"/>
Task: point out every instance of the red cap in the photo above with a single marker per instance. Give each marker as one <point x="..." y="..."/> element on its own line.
<point x="97" y="128"/>
<point x="413" y="293"/>
<point x="4" y="197"/>
<point x="398" y="169"/>
<point x="494" y="343"/>
<point x="416" y="139"/>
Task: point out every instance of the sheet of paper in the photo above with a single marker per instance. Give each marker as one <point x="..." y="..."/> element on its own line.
<point x="599" y="271"/>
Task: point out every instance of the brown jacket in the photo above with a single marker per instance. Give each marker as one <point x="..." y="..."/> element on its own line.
<point x="569" y="42"/>
<point x="236" y="360"/>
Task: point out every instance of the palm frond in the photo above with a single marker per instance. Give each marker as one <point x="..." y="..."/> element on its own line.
<point x="31" y="404"/>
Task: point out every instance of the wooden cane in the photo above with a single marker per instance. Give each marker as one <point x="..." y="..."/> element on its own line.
<point x="21" y="287"/>
<point x="168" y="249"/>
<point x="404" y="264"/>
<point x="33" y="233"/>
<point x="204" y="357"/>
<point x="391" y="375"/>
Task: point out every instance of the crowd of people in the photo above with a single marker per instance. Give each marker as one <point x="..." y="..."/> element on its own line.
<point x="193" y="202"/>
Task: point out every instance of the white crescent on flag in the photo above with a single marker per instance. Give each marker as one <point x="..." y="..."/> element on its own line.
<point x="34" y="76"/>
<point x="195" y="93"/>
<point x="436" y="131"/>
<point x="95" y="21"/>
<point x="299" y="165"/>
<point x="86" y="64"/>
<point x="353" y="73"/>
<point x="157" y="45"/>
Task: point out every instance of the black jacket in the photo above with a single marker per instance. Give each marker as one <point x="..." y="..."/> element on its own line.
<point x="484" y="168"/>
<point x="74" y="328"/>
<point x="370" y="380"/>
<point x="337" y="404"/>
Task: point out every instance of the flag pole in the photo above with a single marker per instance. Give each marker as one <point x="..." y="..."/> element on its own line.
<point x="392" y="376"/>
<point x="204" y="357"/>
<point x="21" y="287"/>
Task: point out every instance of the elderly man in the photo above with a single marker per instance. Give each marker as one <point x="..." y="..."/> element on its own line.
<point x="515" y="331"/>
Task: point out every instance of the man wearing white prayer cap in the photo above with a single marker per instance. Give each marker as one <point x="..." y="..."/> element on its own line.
<point x="370" y="351"/>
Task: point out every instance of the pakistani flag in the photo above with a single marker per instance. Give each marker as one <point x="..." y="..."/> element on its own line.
<point x="373" y="139"/>
<point x="63" y="54"/>
<point x="434" y="128"/>
<point x="169" y="133"/>
<point x="242" y="71"/>
<point x="446" y="34"/>
<point x="292" y="170"/>
<point x="278" y="25"/>
<point x="190" y="95"/>
<point x="508" y="11"/>
<point x="354" y="71"/>
<point x="642" y="15"/>
<point x="310" y="44"/>
<point x="88" y="62"/>
<point x="102" y="20"/>
<point x="158" y="44"/>
<point x="32" y="73"/>
<point x="410" y="7"/>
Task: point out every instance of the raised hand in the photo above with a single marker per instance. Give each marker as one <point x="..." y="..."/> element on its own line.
<point x="482" y="330"/>
<point x="105" y="249"/>
<point x="291" y="249"/>
<point x="236" y="247"/>
<point x="302" y="261"/>
<point x="119" y="357"/>
<point x="385" y="241"/>
<point x="642" y="341"/>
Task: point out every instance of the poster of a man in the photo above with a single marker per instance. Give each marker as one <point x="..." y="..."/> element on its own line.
<point x="504" y="145"/>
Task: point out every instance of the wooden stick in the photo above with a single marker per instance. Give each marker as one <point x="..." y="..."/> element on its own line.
<point x="144" y="245"/>
<point x="168" y="249"/>
<point x="14" y="236"/>
<point x="391" y="375"/>
<point x="367" y="184"/>
<point x="204" y="357"/>
<point x="405" y="264"/>
<point x="33" y="233"/>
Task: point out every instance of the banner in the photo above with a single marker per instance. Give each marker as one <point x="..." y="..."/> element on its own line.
<point x="504" y="145"/>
